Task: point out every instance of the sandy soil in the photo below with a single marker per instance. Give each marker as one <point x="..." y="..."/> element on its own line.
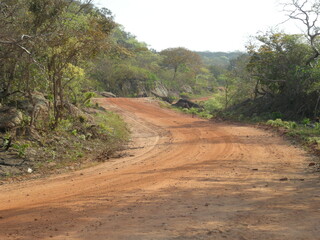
<point x="183" y="178"/>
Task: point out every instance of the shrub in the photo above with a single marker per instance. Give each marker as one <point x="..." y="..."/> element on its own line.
<point x="279" y="123"/>
<point x="86" y="98"/>
<point x="306" y="121"/>
<point x="213" y="104"/>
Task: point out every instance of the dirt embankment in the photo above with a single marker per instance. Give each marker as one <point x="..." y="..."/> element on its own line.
<point x="183" y="178"/>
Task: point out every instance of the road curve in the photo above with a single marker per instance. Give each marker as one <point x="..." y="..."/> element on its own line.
<point x="182" y="178"/>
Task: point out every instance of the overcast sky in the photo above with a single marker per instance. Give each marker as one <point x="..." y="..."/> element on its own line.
<point x="200" y="25"/>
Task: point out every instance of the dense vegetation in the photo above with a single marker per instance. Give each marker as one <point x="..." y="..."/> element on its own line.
<point x="65" y="48"/>
<point x="46" y="48"/>
<point x="279" y="75"/>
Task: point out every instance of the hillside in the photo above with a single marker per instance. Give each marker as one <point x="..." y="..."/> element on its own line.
<point x="219" y="58"/>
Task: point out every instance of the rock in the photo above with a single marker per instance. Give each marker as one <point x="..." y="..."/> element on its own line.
<point x="184" y="103"/>
<point x="10" y="118"/>
<point x="52" y="164"/>
<point x="36" y="100"/>
<point x="142" y="94"/>
<point x="160" y="91"/>
<point x="40" y="105"/>
<point x="35" y="105"/>
<point x="73" y="110"/>
<point x="187" y="89"/>
<point x="142" y="91"/>
<point x="283" y="179"/>
<point x="32" y="133"/>
<point x="77" y="112"/>
<point x="108" y="94"/>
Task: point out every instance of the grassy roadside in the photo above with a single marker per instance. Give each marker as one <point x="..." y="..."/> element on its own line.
<point x="79" y="141"/>
<point x="305" y="132"/>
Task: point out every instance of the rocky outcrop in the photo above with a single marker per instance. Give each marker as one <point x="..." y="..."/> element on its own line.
<point x="40" y="106"/>
<point x="187" y="89"/>
<point x="184" y="103"/>
<point x="9" y="118"/>
<point x="77" y="112"/>
<point x="108" y="94"/>
<point x="160" y="91"/>
<point x="36" y="106"/>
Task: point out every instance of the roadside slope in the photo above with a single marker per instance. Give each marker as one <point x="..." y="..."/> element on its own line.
<point x="183" y="178"/>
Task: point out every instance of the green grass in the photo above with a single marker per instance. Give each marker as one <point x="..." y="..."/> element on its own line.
<point x="304" y="132"/>
<point x="113" y="126"/>
<point x="279" y="123"/>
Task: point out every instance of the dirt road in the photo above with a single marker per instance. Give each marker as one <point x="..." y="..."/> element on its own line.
<point x="184" y="178"/>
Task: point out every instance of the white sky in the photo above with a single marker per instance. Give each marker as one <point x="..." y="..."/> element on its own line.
<point x="200" y="25"/>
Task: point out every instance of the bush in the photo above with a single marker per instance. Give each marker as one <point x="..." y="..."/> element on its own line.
<point x="113" y="126"/>
<point x="279" y="123"/>
<point x="86" y="98"/>
<point x="213" y="104"/>
<point x="306" y="121"/>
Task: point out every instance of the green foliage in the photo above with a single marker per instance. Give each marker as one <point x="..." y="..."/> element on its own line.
<point x="276" y="115"/>
<point x="21" y="148"/>
<point x="279" y="123"/>
<point x="184" y="95"/>
<point x="280" y="65"/>
<point x="218" y="60"/>
<point x="197" y="112"/>
<point x="205" y="114"/>
<point x="56" y="39"/>
<point x="305" y="121"/>
<point x="64" y="125"/>
<point x="74" y="132"/>
<point x="113" y="127"/>
<point x="313" y="140"/>
<point x="215" y="103"/>
<point x="87" y="96"/>
<point x="6" y="142"/>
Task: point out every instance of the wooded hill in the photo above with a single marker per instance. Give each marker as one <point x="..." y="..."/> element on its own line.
<point x="219" y="58"/>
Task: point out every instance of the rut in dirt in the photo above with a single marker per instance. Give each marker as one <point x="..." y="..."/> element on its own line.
<point x="184" y="178"/>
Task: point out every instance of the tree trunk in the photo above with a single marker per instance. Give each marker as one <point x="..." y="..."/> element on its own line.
<point x="175" y="73"/>
<point x="315" y="113"/>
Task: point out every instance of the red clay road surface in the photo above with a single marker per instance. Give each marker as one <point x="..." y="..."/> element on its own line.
<point x="184" y="178"/>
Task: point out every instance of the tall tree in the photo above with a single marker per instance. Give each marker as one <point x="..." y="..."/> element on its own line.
<point x="176" y="58"/>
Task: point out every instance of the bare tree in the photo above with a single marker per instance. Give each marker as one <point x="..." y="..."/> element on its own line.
<point x="308" y="13"/>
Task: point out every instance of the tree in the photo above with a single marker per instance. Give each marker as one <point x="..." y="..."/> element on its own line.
<point x="129" y="68"/>
<point x="44" y="42"/>
<point x="280" y="65"/>
<point x="274" y="62"/>
<point x="176" y="58"/>
<point x="307" y="12"/>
